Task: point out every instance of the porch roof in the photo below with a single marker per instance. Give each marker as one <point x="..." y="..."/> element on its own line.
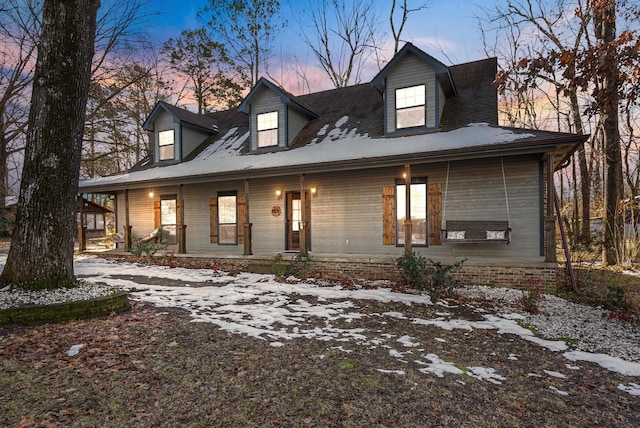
<point x="225" y="159"/>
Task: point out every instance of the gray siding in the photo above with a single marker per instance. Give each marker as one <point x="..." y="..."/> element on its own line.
<point x="442" y="99"/>
<point x="296" y="121"/>
<point x="411" y="71"/>
<point x="163" y="122"/>
<point x="266" y="101"/>
<point x="346" y="214"/>
<point x="191" y="138"/>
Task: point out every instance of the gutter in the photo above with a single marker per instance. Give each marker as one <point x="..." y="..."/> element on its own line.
<point x="359" y="164"/>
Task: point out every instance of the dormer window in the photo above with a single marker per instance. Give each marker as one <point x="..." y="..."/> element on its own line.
<point x="410" y="107"/>
<point x="267" y="129"/>
<point x="166" y="144"/>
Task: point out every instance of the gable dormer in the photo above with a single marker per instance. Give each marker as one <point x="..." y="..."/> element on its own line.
<point x="275" y="116"/>
<point x="176" y="132"/>
<point x="415" y="87"/>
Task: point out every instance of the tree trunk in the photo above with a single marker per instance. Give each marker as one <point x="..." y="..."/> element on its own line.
<point x="613" y="227"/>
<point x="583" y="233"/>
<point x="41" y="254"/>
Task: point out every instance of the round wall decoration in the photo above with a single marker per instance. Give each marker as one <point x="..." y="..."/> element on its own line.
<point x="275" y="211"/>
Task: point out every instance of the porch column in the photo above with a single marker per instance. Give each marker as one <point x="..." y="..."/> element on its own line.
<point x="408" y="232"/>
<point x="182" y="228"/>
<point x="127" y="225"/>
<point x="549" y="218"/>
<point x="303" y="216"/>
<point x="82" y="230"/>
<point x="247" y="223"/>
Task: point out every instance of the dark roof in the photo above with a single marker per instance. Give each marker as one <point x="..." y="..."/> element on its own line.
<point x="442" y="71"/>
<point x="92" y="207"/>
<point x="361" y="108"/>
<point x="477" y="98"/>
<point x="201" y="121"/>
<point x="285" y="98"/>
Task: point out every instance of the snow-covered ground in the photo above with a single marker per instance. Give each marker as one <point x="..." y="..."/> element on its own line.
<point x="258" y="306"/>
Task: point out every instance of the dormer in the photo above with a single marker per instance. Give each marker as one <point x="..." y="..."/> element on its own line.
<point x="176" y="132"/>
<point x="415" y="87"/>
<point x="275" y="116"/>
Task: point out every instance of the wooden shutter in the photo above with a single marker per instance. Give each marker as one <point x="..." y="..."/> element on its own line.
<point x="156" y="214"/>
<point x="388" y="215"/>
<point x="241" y="218"/>
<point x="435" y="213"/>
<point x="213" y="219"/>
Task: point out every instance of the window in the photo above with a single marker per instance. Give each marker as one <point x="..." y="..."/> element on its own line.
<point x="99" y="221"/>
<point x="267" y="129"/>
<point x="410" y="107"/>
<point x="169" y="217"/>
<point x="418" y="213"/>
<point x="94" y="221"/>
<point x="227" y="218"/>
<point x="166" y="143"/>
<point x="90" y="221"/>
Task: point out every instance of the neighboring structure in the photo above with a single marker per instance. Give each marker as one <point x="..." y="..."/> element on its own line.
<point x="94" y="218"/>
<point x="334" y="173"/>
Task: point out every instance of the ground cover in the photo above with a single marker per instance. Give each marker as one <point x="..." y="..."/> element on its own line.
<point x="203" y="348"/>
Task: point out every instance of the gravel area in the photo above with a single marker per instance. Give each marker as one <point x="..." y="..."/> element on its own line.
<point x="589" y="326"/>
<point x="84" y="291"/>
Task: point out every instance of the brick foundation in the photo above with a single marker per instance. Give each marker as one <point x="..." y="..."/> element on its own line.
<point x="477" y="273"/>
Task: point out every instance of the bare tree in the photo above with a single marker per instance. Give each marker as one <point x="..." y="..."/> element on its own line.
<point x="118" y="43"/>
<point x="343" y="37"/>
<point x="545" y="64"/>
<point x="607" y="97"/>
<point x="246" y="30"/>
<point x="41" y="254"/>
<point x="204" y="64"/>
<point x="562" y="57"/>
<point x="19" y="27"/>
<point x="398" y="23"/>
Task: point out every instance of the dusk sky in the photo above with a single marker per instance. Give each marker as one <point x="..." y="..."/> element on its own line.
<point x="447" y="30"/>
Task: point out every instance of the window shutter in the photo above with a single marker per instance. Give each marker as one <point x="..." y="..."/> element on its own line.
<point x="156" y="214"/>
<point x="388" y="215"/>
<point x="435" y="213"/>
<point x="242" y="210"/>
<point x="213" y="218"/>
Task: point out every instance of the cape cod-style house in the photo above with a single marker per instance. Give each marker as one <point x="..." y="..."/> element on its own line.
<point x="335" y="172"/>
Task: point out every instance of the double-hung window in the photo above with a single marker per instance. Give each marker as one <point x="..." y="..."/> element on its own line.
<point x="410" y="107"/>
<point x="166" y="144"/>
<point x="227" y="218"/>
<point x="94" y="221"/>
<point x="169" y="217"/>
<point x="267" y="126"/>
<point x="418" y="206"/>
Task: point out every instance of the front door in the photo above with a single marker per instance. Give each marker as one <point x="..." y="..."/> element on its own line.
<point x="294" y="226"/>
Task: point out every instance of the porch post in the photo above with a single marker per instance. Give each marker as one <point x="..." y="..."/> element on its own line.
<point x="408" y="232"/>
<point x="303" y="216"/>
<point x="82" y="231"/>
<point x="127" y="226"/>
<point x="247" y="223"/>
<point x="182" y="228"/>
<point x="549" y="218"/>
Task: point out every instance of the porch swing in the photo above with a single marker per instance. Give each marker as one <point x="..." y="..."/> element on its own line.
<point x="476" y="231"/>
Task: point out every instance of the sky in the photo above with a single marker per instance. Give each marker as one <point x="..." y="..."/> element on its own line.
<point x="447" y="30"/>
